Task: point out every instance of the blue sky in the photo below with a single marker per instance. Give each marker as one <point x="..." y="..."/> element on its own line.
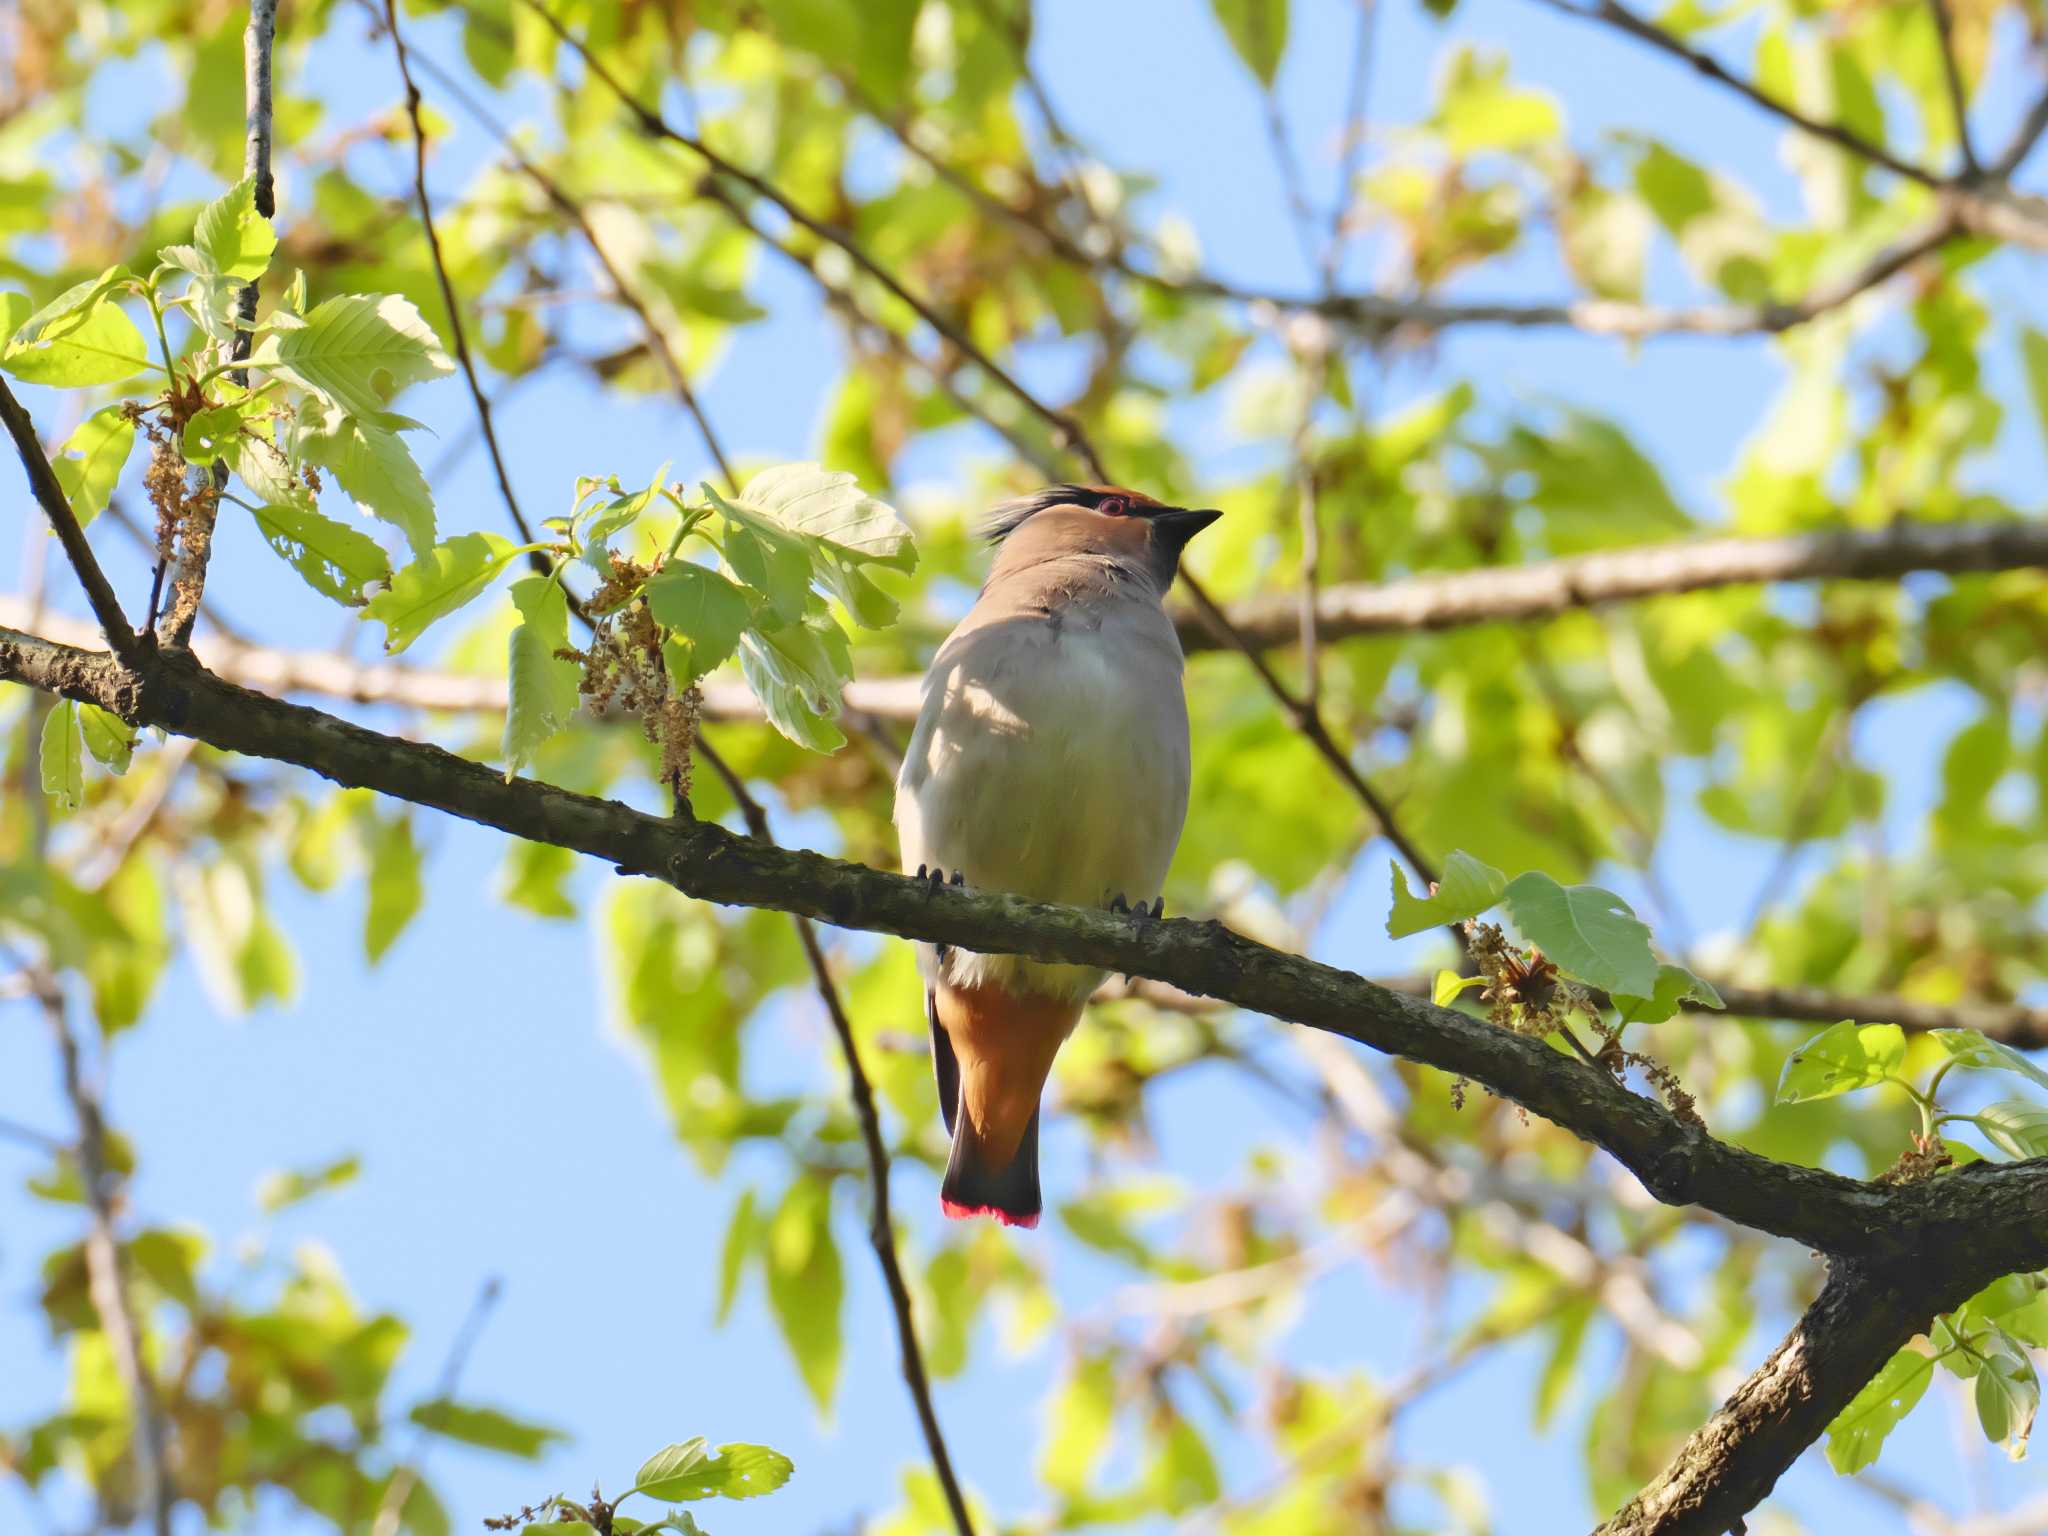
<point x="506" y="1129"/>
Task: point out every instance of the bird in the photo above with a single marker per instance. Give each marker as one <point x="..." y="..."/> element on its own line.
<point x="1050" y="759"/>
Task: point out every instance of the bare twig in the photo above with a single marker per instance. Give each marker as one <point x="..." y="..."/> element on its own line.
<point x="458" y="332"/>
<point x="1622" y="19"/>
<point x="881" y="1228"/>
<point x="50" y="497"/>
<point x="391" y="1508"/>
<point x="106" y="1279"/>
<point x="1958" y="97"/>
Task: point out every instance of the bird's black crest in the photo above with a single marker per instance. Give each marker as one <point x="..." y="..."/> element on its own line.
<point x="1011" y="515"/>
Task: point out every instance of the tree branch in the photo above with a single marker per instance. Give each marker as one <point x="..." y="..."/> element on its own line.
<point x="1861" y="1318"/>
<point x="1994" y="1218"/>
<point x="881" y="1227"/>
<point x="195" y="537"/>
<point x="1958" y="97"/>
<point x="50" y="497"/>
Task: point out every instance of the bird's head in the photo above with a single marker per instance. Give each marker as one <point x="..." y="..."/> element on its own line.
<point x="1104" y="521"/>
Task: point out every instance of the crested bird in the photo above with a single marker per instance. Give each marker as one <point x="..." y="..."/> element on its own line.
<point x="1049" y="760"/>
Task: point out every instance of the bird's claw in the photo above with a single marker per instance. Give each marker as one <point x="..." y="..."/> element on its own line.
<point x="1143" y="912"/>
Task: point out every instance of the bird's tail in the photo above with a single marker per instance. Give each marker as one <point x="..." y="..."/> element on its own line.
<point x="977" y="1185"/>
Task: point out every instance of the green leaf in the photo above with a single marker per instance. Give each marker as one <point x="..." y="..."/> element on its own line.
<point x="742" y="1239"/>
<point x="544" y="686"/>
<point x="1675" y="986"/>
<point x="2017" y="1127"/>
<point x="335" y="560"/>
<point x="1450" y="986"/>
<point x="1477" y="109"/>
<point x="396" y="890"/>
<point x="100" y="347"/>
<point x="485" y="1427"/>
<point x="356" y="351"/>
<point x="1078" y="1437"/>
<point x="89" y="464"/>
<point x="737" y="1472"/>
<point x="703" y="610"/>
<point x="66" y="312"/>
<point x="1257" y="29"/>
<point x="280" y="1191"/>
<point x="559" y="1528"/>
<point x="1588" y="932"/>
<point x="2034" y="358"/>
<point x="1973" y="1048"/>
<point x="1840" y="1059"/>
<point x="1858" y="1431"/>
<point x="109" y="738"/>
<point x="213" y="433"/>
<point x="233" y="236"/>
<point x="671" y="1461"/>
<point x="1466" y="889"/>
<point x="63" y="759"/>
<point x="2008" y="1392"/>
<point x="376" y="469"/>
<point x="806" y="1288"/>
<point x="438" y="583"/>
<point x="797" y="672"/>
<point x="843" y="529"/>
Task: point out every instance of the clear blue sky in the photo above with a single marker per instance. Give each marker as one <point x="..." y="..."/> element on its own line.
<point x="507" y="1129"/>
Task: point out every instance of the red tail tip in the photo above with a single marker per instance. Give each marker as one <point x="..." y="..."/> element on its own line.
<point x="959" y="1212"/>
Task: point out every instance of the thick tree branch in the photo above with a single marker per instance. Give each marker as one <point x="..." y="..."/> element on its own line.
<point x="1861" y="1318"/>
<point x="1994" y="1219"/>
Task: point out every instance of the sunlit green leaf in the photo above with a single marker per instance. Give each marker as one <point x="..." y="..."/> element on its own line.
<point x="1466" y="889"/>
<point x="1590" y="933"/>
<point x="438" y="583"/>
<point x="63" y="755"/>
<point x="1858" y="1431"/>
<point x="1841" y="1058"/>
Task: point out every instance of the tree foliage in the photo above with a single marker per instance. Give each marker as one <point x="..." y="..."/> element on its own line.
<point x="222" y="370"/>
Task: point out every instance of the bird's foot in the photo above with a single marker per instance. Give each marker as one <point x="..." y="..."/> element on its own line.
<point x="1142" y="912"/>
<point x="939" y="878"/>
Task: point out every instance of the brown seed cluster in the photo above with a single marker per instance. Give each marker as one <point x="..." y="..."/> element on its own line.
<point x="623" y="671"/>
<point x="1924" y="1159"/>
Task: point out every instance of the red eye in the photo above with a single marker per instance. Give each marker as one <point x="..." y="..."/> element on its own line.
<point x="1112" y="506"/>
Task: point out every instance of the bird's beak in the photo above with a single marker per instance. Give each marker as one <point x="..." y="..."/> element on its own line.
<point x="1176" y="525"/>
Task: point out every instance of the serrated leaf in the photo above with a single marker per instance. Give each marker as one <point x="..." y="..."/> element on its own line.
<point x="63" y="757"/>
<point x="1840" y="1059"/>
<point x="1858" y="1431"/>
<point x="544" y="686"/>
<point x="1465" y="889"/>
<point x="356" y="351"/>
<point x="488" y="1428"/>
<point x="335" y="560"/>
<point x="843" y="529"/>
<point x="797" y="672"/>
<point x="1257" y="29"/>
<point x="1675" y="986"/>
<point x="736" y="1472"/>
<point x="100" y="347"/>
<point x="767" y="557"/>
<point x="1972" y="1048"/>
<point x="109" y="738"/>
<point x="233" y="236"/>
<point x="1589" y="933"/>
<point x="67" y="311"/>
<point x="438" y="583"/>
<point x="89" y="464"/>
<point x="376" y="469"/>
<point x="703" y="610"/>
<point x="2017" y="1127"/>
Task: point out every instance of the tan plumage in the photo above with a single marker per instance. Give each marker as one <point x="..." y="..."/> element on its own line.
<point x="1050" y="759"/>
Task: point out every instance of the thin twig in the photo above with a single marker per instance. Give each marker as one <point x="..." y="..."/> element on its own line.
<point x="391" y="1508"/>
<point x="1622" y="19"/>
<point x="1065" y="431"/>
<point x="457" y="331"/>
<point x="2029" y="133"/>
<point x="106" y="1279"/>
<point x="881" y="1228"/>
<point x="50" y="497"/>
<point x="1958" y="97"/>
<point x="195" y="538"/>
